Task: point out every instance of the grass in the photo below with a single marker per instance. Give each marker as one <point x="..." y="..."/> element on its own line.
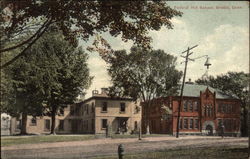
<point x="8" y="141"/>
<point x="186" y="153"/>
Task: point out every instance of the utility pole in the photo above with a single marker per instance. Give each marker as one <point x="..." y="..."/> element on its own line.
<point x="182" y="86"/>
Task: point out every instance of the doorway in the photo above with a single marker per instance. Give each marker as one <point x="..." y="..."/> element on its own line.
<point x="209" y="130"/>
<point x="122" y="125"/>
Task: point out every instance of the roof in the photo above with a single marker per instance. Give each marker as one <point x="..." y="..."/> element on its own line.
<point x="193" y="90"/>
<point x="106" y="98"/>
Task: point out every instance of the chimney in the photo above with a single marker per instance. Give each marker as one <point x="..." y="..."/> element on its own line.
<point x="95" y="92"/>
<point x="189" y="81"/>
<point x="104" y="91"/>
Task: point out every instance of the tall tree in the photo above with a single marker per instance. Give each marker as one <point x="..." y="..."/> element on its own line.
<point x="22" y="91"/>
<point x="143" y="74"/>
<point x="130" y="19"/>
<point x="236" y="84"/>
<point x="65" y="73"/>
<point x="49" y="77"/>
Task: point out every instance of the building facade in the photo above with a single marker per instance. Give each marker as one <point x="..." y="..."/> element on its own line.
<point x="94" y="115"/>
<point x="101" y="112"/>
<point x="204" y="111"/>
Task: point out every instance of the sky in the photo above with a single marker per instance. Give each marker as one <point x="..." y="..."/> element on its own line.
<point x="219" y="28"/>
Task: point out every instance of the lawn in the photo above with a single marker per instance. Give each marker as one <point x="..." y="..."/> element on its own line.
<point x="186" y="153"/>
<point x="8" y="141"/>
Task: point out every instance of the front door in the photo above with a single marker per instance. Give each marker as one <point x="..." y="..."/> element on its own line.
<point x="209" y="130"/>
<point x="123" y="125"/>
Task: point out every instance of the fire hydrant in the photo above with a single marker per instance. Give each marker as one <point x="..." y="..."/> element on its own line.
<point x="120" y="151"/>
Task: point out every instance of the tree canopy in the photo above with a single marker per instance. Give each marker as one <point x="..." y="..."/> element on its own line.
<point x="130" y="19"/>
<point x="46" y="79"/>
<point x="143" y="74"/>
<point x="232" y="83"/>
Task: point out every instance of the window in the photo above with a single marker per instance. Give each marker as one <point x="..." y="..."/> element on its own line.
<point x="47" y="124"/>
<point x="230" y="108"/>
<point x="221" y="108"/>
<point x="122" y="107"/>
<point x="209" y="110"/>
<point x="224" y="109"/>
<point x="104" y="107"/>
<point x="104" y="123"/>
<point x="77" y="110"/>
<point x="195" y="106"/>
<point x="61" y="124"/>
<point x="180" y="124"/>
<point x="225" y="123"/>
<point x="72" y="110"/>
<point x="234" y="124"/>
<point x="87" y="125"/>
<point x="33" y="122"/>
<point x="92" y="107"/>
<point x="191" y="122"/>
<point x="196" y="123"/>
<point x="190" y="103"/>
<point x="185" y="106"/>
<point x="87" y="108"/>
<point x="185" y="123"/>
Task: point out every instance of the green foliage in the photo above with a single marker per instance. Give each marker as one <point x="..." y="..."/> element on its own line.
<point x="131" y="19"/>
<point x="46" y="79"/>
<point x="232" y="83"/>
<point x="26" y="21"/>
<point x="65" y="73"/>
<point x="143" y="74"/>
<point x="43" y="139"/>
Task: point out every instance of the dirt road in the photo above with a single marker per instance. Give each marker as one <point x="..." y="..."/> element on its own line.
<point x="98" y="147"/>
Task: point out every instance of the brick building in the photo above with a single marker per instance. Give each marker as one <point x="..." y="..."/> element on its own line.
<point x="89" y="116"/>
<point x="203" y="111"/>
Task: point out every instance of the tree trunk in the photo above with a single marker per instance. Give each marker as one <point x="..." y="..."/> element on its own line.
<point x="244" y="126"/>
<point x="53" y="120"/>
<point x="24" y="124"/>
<point x="147" y="127"/>
<point x="147" y="121"/>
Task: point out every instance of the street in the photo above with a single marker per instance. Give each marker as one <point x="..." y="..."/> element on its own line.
<point x="100" y="147"/>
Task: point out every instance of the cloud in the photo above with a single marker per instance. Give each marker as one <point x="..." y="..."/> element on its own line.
<point x="98" y="69"/>
<point x="171" y="40"/>
<point x="227" y="46"/>
<point x="228" y="49"/>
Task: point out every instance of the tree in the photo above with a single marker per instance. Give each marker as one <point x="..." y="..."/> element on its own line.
<point x="143" y="74"/>
<point x="22" y="89"/>
<point x="235" y="84"/>
<point x="65" y="73"/>
<point x="130" y="19"/>
<point x="48" y="78"/>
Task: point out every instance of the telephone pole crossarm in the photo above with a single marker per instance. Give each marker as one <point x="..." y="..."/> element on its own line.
<point x="189" y="49"/>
